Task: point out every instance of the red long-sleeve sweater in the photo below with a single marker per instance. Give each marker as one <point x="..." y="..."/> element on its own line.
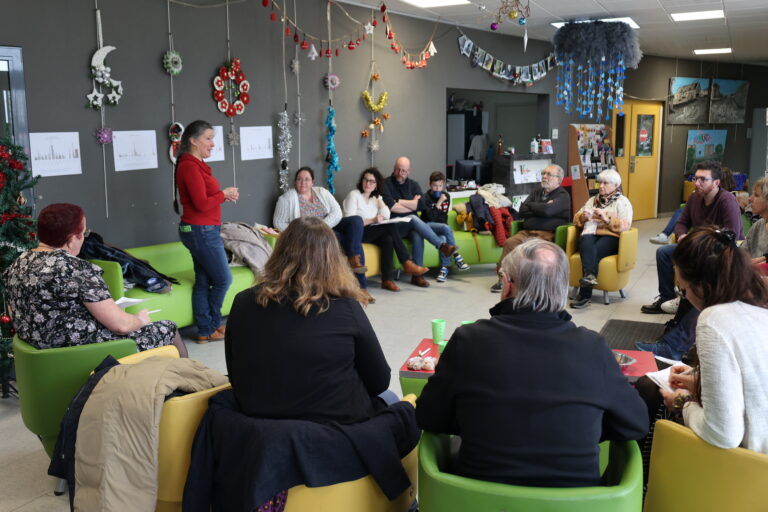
<point x="199" y="192"/>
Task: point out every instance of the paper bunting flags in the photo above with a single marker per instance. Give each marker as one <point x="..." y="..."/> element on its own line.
<point x="516" y="75"/>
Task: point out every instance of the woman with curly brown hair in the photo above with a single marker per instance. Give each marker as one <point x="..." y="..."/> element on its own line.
<point x="724" y="399"/>
<point x="299" y="345"/>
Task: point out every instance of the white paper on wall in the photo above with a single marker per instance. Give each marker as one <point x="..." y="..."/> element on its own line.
<point x="255" y="142"/>
<point x="55" y="153"/>
<point x="217" y="153"/>
<point x="133" y="150"/>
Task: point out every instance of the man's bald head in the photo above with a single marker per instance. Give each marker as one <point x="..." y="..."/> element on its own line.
<point x="402" y="169"/>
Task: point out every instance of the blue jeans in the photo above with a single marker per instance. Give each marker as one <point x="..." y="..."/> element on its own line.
<point x="672" y="221"/>
<point x="592" y="249"/>
<point x="445" y="233"/>
<point x="349" y="232"/>
<point x="666" y="271"/>
<point x="212" y="275"/>
<point x="417" y="230"/>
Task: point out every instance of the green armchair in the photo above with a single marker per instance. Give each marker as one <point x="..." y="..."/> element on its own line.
<point x="444" y="492"/>
<point x="48" y="379"/>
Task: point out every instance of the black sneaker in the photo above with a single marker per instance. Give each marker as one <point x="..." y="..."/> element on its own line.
<point x="496" y="288"/>
<point x="588" y="281"/>
<point x="580" y="303"/>
<point x="655" y="308"/>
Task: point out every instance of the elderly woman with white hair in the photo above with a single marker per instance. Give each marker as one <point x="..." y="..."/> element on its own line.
<point x="602" y="219"/>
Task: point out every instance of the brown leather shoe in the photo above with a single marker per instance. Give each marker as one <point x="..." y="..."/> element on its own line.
<point x="222" y="329"/>
<point x="390" y="285"/>
<point x="419" y="281"/>
<point x="214" y="336"/>
<point x="447" y="250"/>
<point x="357" y="267"/>
<point x="410" y="267"/>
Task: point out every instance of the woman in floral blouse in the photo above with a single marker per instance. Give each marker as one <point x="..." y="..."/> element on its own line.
<point x="60" y="300"/>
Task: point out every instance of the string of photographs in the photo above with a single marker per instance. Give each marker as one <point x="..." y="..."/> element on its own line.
<point x="517" y="75"/>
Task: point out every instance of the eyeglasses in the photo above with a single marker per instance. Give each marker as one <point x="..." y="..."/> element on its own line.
<point x="369" y="181"/>
<point x="700" y="179"/>
<point x="549" y="174"/>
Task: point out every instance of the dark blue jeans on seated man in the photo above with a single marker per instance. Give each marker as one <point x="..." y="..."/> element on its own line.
<point x="349" y="232"/>
<point x="592" y="249"/>
<point x="212" y="275"/>
<point x="665" y="271"/>
<point x="417" y="231"/>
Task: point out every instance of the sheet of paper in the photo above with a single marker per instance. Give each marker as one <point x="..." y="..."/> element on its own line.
<point x="255" y="142"/>
<point x="393" y="220"/>
<point x="217" y="153"/>
<point x="590" y="228"/>
<point x="55" y="153"/>
<point x="661" y="379"/>
<point x="134" y="149"/>
<point x="125" y="302"/>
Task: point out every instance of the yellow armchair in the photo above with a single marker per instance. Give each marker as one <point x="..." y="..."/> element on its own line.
<point x="178" y="426"/>
<point x="687" y="473"/>
<point x="612" y="271"/>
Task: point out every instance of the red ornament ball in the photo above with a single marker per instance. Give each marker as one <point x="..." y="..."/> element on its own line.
<point x="287" y="31"/>
<point x="273" y="16"/>
<point x="383" y="7"/>
<point x="304" y="45"/>
<point x="265" y="3"/>
<point x="296" y="37"/>
<point x="375" y="23"/>
<point x="5" y="319"/>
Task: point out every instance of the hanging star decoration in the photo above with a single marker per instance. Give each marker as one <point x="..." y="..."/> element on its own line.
<point x="373" y="146"/>
<point x="233" y="138"/>
<point x="298" y="118"/>
<point x="295" y="66"/>
<point x="368" y="28"/>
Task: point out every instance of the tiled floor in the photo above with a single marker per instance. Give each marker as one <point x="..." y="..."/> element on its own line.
<point x="400" y="320"/>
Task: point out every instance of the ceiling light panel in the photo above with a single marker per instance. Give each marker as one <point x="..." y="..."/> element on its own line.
<point x="430" y="4"/>
<point x="711" y="51"/>
<point x="698" y="15"/>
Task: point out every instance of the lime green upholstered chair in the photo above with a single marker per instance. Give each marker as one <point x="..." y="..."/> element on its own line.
<point x="445" y="492"/>
<point x="48" y="379"/>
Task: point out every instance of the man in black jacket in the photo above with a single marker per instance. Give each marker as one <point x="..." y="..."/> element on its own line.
<point x="529" y="392"/>
<point x="542" y="211"/>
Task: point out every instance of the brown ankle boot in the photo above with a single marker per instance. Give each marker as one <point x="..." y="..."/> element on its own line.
<point x="410" y="267"/>
<point x="447" y="250"/>
<point x="419" y="281"/>
<point x="357" y="267"/>
<point x="390" y="285"/>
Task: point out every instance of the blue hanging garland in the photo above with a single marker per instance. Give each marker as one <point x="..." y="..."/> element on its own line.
<point x="592" y="59"/>
<point x="331" y="157"/>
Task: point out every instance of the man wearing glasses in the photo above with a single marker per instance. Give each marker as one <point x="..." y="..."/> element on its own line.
<point x="542" y="211"/>
<point x="709" y="204"/>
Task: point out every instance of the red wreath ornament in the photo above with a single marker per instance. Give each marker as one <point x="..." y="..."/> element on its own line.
<point x="231" y="77"/>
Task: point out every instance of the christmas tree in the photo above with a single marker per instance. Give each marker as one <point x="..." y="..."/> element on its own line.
<point x="17" y="234"/>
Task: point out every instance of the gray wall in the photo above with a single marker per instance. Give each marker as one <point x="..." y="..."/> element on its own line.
<point x="58" y="39"/>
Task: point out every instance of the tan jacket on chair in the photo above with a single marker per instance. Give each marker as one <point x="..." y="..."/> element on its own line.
<point x="117" y="436"/>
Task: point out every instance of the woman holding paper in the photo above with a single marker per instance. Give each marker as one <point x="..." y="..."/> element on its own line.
<point x="602" y="219"/>
<point x="200" y="228"/>
<point x="366" y="203"/>
<point x="59" y="300"/>
<point x="725" y="398"/>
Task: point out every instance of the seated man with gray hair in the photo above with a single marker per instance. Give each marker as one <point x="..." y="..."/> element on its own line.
<point x="542" y="211"/>
<point x="529" y="392"/>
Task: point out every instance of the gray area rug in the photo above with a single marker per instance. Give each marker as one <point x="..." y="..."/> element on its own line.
<point x="622" y="334"/>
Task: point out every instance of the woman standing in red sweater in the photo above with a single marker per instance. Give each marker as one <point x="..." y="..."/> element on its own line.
<point x="200" y="228"/>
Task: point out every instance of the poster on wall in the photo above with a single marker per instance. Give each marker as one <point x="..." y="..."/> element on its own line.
<point x="688" y="100"/>
<point x="704" y="145"/>
<point x="217" y="153"/>
<point x="644" y="143"/>
<point x="255" y="142"/>
<point x="134" y="150"/>
<point x="55" y="153"/>
<point x="728" y="101"/>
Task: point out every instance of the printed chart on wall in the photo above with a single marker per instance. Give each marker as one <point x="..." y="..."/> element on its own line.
<point x="55" y="153"/>
<point x="255" y="142"/>
<point x="704" y="145"/>
<point x="134" y="150"/>
<point x="217" y="153"/>
<point x="528" y="171"/>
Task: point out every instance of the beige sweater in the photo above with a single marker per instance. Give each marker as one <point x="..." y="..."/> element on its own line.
<point x="619" y="215"/>
<point x="117" y="437"/>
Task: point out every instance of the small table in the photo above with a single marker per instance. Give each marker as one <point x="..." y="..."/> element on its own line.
<point x="646" y="362"/>
<point x="413" y="381"/>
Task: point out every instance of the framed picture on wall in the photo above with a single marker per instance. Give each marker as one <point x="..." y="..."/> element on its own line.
<point x="728" y="101"/>
<point x="688" y="100"/>
<point x="704" y="145"/>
